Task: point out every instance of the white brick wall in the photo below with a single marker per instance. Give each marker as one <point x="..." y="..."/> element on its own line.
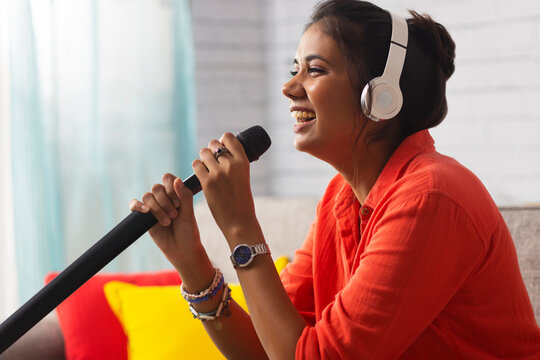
<point x="493" y="124"/>
<point x="244" y="53"/>
<point x="294" y="173"/>
<point x="230" y="72"/>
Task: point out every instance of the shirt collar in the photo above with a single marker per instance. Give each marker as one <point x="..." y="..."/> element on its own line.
<point x="409" y="148"/>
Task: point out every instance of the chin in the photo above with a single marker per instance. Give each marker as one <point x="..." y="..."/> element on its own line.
<point x="307" y="145"/>
<point x="301" y="143"/>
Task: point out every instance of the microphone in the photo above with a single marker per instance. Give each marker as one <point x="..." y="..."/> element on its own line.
<point x="255" y="142"/>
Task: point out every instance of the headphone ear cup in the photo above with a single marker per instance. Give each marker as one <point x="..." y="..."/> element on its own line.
<point x="365" y="101"/>
<point x="384" y="103"/>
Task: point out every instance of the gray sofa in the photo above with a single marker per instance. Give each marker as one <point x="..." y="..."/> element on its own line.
<point x="285" y="223"/>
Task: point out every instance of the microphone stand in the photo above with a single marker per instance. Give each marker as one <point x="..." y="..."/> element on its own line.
<point x="255" y="142"/>
<point x="74" y="276"/>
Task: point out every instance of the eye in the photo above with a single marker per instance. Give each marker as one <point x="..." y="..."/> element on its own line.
<point x="312" y="70"/>
<point x="316" y="70"/>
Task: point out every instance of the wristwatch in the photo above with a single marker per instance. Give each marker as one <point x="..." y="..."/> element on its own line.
<point x="243" y="254"/>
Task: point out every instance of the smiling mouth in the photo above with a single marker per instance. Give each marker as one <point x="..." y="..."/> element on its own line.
<point x="303" y="116"/>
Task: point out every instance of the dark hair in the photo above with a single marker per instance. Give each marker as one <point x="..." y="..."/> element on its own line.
<point x="362" y="31"/>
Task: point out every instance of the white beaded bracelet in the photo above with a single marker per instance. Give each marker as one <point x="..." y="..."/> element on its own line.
<point x="207" y="293"/>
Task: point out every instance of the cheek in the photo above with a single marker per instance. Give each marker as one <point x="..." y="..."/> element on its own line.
<point x="337" y="111"/>
<point x="333" y="97"/>
<point x="324" y="100"/>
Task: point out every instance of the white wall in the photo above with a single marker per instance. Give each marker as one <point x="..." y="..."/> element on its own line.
<point x="493" y="124"/>
<point x="295" y="173"/>
<point x="230" y="72"/>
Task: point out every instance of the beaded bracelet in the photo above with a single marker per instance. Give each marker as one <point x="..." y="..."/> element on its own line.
<point x="207" y="293"/>
<point x="225" y="299"/>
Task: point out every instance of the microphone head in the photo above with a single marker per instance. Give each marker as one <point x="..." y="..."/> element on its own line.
<point x="255" y="141"/>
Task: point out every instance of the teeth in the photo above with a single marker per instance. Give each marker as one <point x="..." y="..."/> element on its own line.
<point x="302" y="114"/>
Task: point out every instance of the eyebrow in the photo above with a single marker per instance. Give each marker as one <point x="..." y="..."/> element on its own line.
<point x="313" y="57"/>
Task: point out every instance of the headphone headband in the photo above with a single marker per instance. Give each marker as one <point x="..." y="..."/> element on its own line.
<point x="385" y="100"/>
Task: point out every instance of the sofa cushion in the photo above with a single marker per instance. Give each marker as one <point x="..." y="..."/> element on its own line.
<point x="524" y="225"/>
<point x="90" y="328"/>
<point x="158" y="323"/>
<point x="43" y="342"/>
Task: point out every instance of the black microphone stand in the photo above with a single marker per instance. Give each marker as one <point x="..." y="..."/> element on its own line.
<point x="255" y="142"/>
<point x="74" y="276"/>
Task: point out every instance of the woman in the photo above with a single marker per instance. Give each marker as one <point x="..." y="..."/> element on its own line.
<point x="408" y="256"/>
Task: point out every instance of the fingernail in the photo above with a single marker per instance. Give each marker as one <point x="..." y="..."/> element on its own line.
<point x="173" y="213"/>
<point x="145" y="208"/>
<point x="176" y="203"/>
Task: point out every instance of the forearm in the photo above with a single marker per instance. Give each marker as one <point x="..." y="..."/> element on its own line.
<point x="273" y="326"/>
<point x="276" y="320"/>
<point x="232" y="332"/>
<point x="234" y="335"/>
<point x="225" y="183"/>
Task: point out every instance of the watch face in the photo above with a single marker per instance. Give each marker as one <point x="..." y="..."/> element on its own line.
<point x="242" y="255"/>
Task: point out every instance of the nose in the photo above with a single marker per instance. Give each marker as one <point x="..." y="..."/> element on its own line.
<point x="293" y="89"/>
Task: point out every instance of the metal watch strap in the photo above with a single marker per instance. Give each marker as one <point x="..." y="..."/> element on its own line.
<point x="260" y="249"/>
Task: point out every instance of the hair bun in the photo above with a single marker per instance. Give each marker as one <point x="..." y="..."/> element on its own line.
<point x="435" y="39"/>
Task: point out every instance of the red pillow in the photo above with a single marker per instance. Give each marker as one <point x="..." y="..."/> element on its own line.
<point x="91" y="330"/>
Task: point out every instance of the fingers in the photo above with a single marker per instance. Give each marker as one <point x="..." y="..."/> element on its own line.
<point x="215" y="144"/>
<point x="160" y="195"/>
<point x="207" y="157"/>
<point x="208" y="163"/>
<point x="201" y="171"/>
<point x="181" y="191"/>
<point x="162" y="201"/>
<point x="168" y="182"/>
<point x="162" y="217"/>
<point x="233" y="145"/>
<point x="233" y="149"/>
<point x="186" y="197"/>
<point x="136" y="205"/>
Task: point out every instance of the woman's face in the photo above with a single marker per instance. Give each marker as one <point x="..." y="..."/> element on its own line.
<point x="322" y="101"/>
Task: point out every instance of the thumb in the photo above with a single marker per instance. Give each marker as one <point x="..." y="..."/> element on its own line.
<point x="184" y="195"/>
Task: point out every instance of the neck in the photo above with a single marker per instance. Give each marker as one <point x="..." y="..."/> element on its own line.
<point x="362" y="171"/>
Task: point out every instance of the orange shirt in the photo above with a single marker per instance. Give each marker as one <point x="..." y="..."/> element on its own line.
<point x="425" y="269"/>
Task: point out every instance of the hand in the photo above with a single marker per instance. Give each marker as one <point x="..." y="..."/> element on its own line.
<point x="226" y="186"/>
<point x="176" y="232"/>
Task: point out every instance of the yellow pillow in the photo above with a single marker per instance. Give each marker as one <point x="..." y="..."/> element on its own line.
<point x="158" y="323"/>
<point x="280" y="263"/>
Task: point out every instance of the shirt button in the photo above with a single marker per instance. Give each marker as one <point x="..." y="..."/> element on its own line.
<point x="364" y="211"/>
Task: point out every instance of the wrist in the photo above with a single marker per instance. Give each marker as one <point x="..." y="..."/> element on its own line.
<point x="249" y="234"/>
<point x="203" y="301"/>
<point x="243" y="255"/>
<point x="194" y="267"/>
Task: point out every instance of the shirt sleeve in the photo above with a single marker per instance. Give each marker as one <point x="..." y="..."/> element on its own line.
<point x="419" y="254"/>
<point x="297" y="278"/>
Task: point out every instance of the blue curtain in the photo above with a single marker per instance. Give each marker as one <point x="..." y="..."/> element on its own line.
<point x="102" y="106"/>
<point x="37" y="213"/>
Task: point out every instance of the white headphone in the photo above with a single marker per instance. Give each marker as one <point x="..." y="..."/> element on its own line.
<point x="386" y="99"/>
